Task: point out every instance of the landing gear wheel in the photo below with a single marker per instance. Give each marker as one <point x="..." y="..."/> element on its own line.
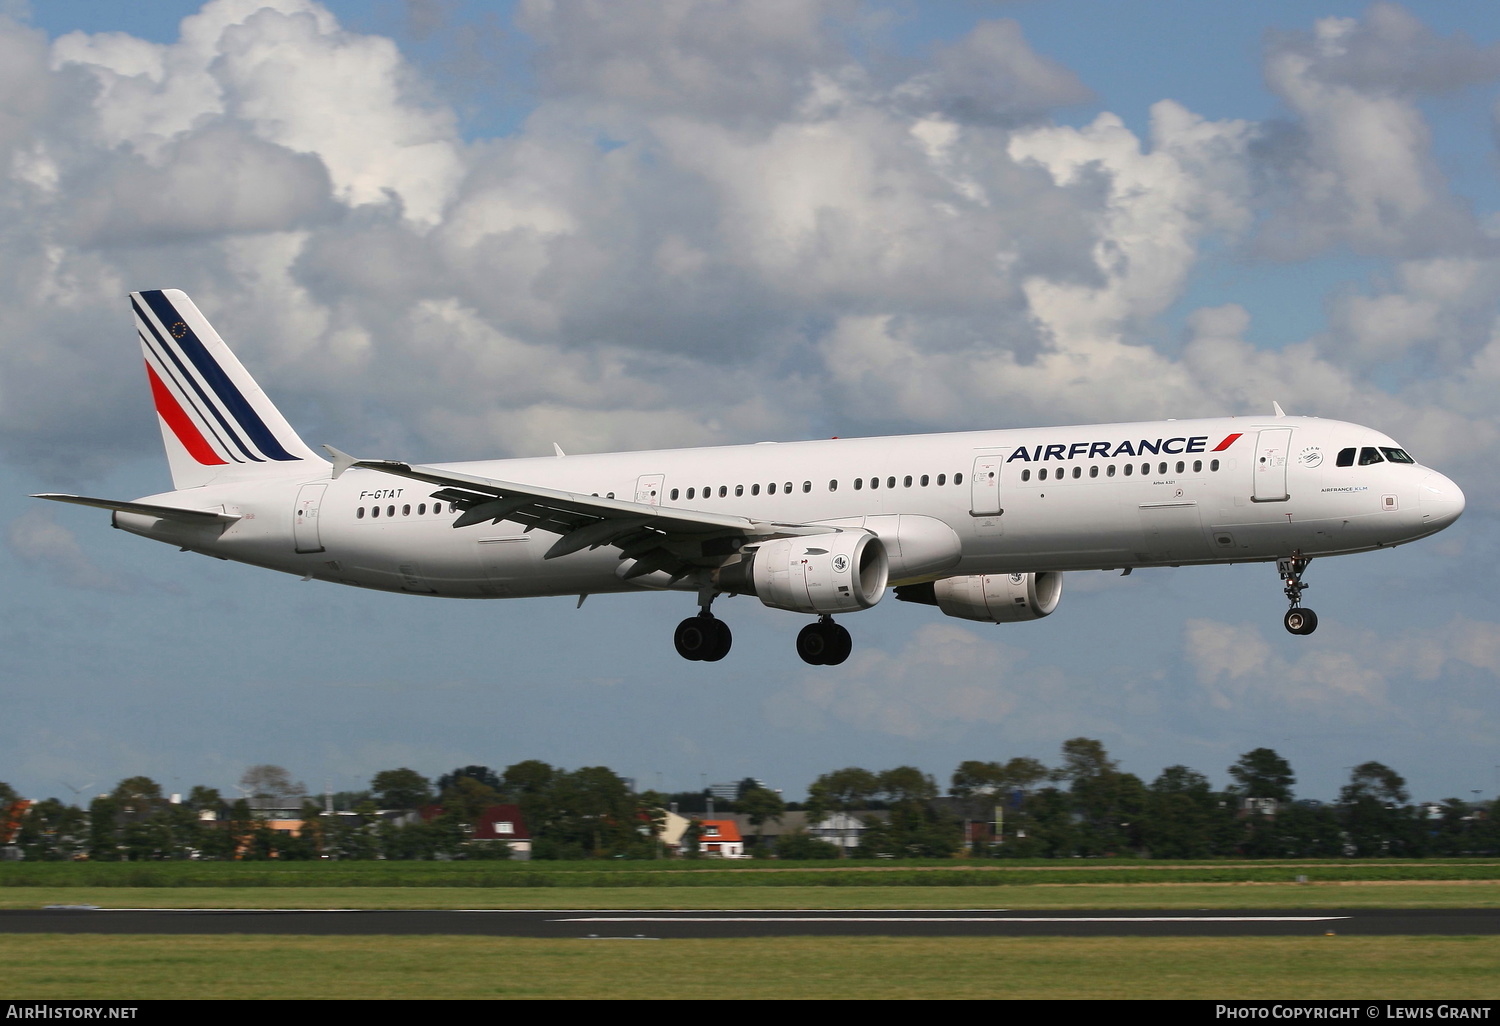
<point x="1298" y="620"/>
<point x="1301" y="621"/>
<point x="824" y="643"/>
<point x="703" y="638"/>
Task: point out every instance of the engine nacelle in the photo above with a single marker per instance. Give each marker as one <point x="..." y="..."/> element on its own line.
<point x="822" y="573"/>
<point x="999" y="598"/>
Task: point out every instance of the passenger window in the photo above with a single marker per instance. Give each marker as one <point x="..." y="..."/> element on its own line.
<point x="859" y="483"/>
<point x="874" y="482"/>
<point x="1145" y="469"/>
<point x="1094" y="470"/>
<point x="1041" y="475"/>
<point x="359" y="514"/>
<point x="771" y="488"/>
<point x="739" y="490"/>
<point x="958" y="479"/>
<point x="421" y="508"/>
<point x="1368" y="455"/>
<point x="906" y="482"/>
<point x="1111" y="471"/>
<point x="1163" y="469"/>
<point x="924" y="480"/>
<point x="1214" y="466"/>
<point x="755" y="489"/>
<point x="723" y="491"/>
<point x="692" y="492"/>
<point x="406" y="510"/>
<point x="1026" y="475"/>
<point x="833" y="486"/>
<point x="674" y="494"/>
<point x="1077" y="473"/>
<point x="890" y="482"/>
<point x="1181" y="466"/>
<point x="1197" y="466"/>
<point x="942" y="479"/>
<point x="806" y="487"/>
<point x="787" y="488"/>
<point x="390" y="511"/>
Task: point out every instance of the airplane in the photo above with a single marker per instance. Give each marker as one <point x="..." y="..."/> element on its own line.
<point x="980" y="524"/>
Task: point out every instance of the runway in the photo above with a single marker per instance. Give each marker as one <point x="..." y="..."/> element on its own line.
<point x="656" y="924"/>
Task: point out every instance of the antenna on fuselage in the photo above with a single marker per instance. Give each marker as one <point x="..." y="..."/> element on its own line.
<point x="1277" y="408"/>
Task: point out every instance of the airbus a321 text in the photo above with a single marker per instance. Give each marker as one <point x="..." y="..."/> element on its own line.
<point x="981" y="524"/>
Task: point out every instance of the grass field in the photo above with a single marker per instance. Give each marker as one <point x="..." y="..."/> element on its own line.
<point x="234" y="966"/>
<point x="1476" y="894"/>
<point x="1359" y="968"/>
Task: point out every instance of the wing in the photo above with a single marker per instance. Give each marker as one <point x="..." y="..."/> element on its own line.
<point x="652" y="538"/>
<point x="186" y="516"/>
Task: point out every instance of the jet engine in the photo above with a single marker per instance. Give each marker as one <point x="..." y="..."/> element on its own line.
<point x="823" y="573"/>
<point x="990" y="598"/>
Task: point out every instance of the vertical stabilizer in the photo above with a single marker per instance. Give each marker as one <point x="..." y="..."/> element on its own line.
<point x="215" y="420"/>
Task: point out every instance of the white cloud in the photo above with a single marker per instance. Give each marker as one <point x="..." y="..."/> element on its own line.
<point x="37" y="540"/>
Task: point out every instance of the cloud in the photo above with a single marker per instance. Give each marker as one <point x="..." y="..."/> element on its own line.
<point x="36" y="540"/>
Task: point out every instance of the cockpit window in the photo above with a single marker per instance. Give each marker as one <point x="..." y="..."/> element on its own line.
<point x="1396" y="455"/>
<point x="1346" y="457"/>
<point x="1368" y="455"/>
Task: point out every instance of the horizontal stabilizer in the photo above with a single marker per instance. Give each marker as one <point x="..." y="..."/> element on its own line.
<point x="186" y="516"/>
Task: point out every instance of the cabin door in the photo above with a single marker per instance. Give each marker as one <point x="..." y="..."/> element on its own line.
<point x="1271" y="449"/>
<point x="305" y="535"/>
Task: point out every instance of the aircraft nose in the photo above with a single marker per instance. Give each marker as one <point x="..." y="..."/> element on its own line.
<point x="1440" y="501"/>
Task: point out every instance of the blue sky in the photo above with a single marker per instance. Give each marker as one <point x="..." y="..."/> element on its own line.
<point x="459" y="230"/>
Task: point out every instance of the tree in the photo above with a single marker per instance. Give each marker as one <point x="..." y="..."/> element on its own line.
<point x="841" y="791"/>
<point x="465" y="799"/>
<point x="401" y="789"/>
<point x="1262" y="774"/>
<point x="761" y="804"/>
<point x="1183" y="817"/>
<point x="975" y="779"/>
<point x="271" y="782"/>
<point x="483" y="774"/>
<point x="1376" y="781"/>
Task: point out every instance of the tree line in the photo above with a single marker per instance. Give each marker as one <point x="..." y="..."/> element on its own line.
<point x="1083" y="806"/>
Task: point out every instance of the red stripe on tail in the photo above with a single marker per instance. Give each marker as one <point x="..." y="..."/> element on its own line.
<point x="182" y="426"/>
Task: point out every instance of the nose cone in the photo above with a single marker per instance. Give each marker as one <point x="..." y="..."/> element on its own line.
<point x="1440" y="502"/>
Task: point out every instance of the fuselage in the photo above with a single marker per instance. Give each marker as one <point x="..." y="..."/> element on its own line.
<point x="1092" y="497"/>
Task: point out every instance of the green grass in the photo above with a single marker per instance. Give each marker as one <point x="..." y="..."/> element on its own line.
<point x="1481" y="894"/>
<point x="237" y="967"/>
<point x="706" y="873"/>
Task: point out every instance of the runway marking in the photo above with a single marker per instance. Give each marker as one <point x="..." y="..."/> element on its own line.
<point x="949" y="919"/>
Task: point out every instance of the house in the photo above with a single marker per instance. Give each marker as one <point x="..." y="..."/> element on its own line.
<point x="720" y="838"/>
<point x="505" y="823"/>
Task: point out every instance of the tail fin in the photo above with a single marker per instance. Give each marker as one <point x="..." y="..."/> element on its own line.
<point x="215" y="420"/>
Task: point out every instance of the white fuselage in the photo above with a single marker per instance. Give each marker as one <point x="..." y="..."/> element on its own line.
<point x="1059" y="499"/>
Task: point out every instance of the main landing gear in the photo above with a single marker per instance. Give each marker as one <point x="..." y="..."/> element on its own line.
<point x="824" y="643"/>
<point x="1297" y="619"/>
<point x="705" y="638"/>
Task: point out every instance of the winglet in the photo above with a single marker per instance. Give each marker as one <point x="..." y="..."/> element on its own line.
<point x="1277" y="407"/>
<point x="342" y="461"/>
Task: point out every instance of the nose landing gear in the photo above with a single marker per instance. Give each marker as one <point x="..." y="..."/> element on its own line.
<point x="1297" y="620"/>
<point x="824" y="643"/>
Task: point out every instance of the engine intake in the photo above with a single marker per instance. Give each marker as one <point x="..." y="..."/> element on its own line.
<point x="824" y="573"/>
<point x="990" y="598"/>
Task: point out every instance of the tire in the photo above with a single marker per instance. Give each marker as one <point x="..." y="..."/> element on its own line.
<point x="841" y="644"/>
<point x="813" y="644"/>
<point x="1300" y="621"/>
<point x="694" y="637"/>
<point x="720" y="640"/>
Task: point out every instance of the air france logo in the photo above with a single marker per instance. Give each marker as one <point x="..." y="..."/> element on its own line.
<point x="840" y="563"/>
<point x="1112" y="450"/>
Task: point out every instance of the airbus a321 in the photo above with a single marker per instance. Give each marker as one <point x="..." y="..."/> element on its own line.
<point x="981" y="524"/>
